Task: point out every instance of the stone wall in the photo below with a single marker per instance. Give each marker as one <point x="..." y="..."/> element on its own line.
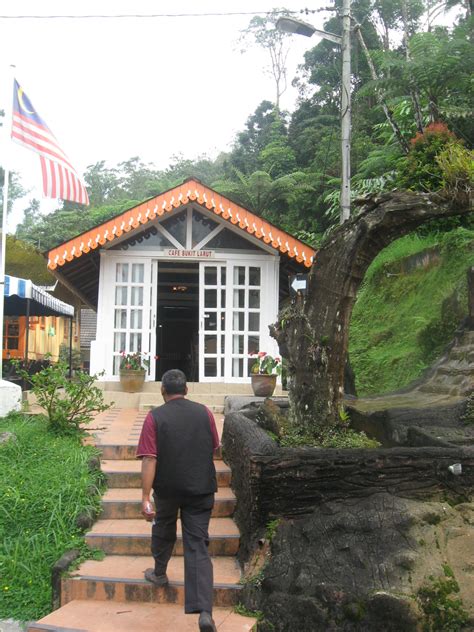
<point x="359" y="530"/>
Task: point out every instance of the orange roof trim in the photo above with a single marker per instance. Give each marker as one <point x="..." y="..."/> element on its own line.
<point x="189" y="191"/>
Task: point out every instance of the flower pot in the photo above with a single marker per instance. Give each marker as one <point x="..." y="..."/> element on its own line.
<point x="263" y="385"/>
<point x="132" y="381"/>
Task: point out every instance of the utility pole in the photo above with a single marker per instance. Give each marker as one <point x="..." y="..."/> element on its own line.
<point x="346" y="112"/>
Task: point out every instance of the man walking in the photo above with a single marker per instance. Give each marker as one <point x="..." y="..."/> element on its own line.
<point x="176" y="447"/>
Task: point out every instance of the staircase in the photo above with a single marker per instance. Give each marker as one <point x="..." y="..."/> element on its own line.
<point x="112" y="594"/>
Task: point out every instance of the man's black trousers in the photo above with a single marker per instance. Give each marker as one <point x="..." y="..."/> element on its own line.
<point x="195" y="513"/>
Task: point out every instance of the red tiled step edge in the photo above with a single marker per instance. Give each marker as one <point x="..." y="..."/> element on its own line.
<point x="128" y="451"/>
<point x="110" y="616"/>
<point x="132" y="537"/>
<point x="121" y="502"/>
<point x="126" y="473"/>
<point x="120" y="578"/>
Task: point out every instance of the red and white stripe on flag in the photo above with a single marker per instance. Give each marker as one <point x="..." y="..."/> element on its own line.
<point x="60" y="179"/>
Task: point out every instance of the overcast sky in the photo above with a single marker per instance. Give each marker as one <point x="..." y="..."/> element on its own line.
<point x="110" y="89"/>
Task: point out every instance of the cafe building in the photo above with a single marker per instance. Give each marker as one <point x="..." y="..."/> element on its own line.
<point x="188" y="277"/>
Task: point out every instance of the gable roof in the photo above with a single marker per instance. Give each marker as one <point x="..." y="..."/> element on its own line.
<point x="190" y="191"/>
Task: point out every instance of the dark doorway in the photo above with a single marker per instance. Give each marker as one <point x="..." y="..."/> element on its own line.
<point x="177" y="334"/>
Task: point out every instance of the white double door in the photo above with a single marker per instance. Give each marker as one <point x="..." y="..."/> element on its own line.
<point x="238" y="299"/>
<point x="235" y="308"/>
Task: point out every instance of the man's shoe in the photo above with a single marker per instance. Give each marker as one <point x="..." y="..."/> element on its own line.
<point x="158" y="580"/>
<point x="206" y="623"/>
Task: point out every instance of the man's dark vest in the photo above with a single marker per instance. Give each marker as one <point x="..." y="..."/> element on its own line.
<point x="185" y="450"/>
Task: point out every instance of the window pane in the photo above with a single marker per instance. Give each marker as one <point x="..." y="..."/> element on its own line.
<point x="136" y="317"/>
<point x="210" y="344"/>
<point x="239" y="320"/>
<point x="120" y="319"/>
<point x="176" y="226"/>
<point x="254" y="342"/>
<point x="116" y="364"/>
<point x="239" y="275"/>
<point x="210" y="298"/>
<point x="210" y="367"/>
<point x="120" y="295"/>
<point x="222" y="346"/>
<point x="229" y="240"/>
<point x="237" y="367"/>
<point x="210" y="275"/>
<point x="254" y="276"/>
<point x="137" y="296"/>
<point x="120" y="341"/>
<point x="222" y="367"/>
<point x="238" y="344"/>
<point x="223" y="299"/>
<point x="201" y="226"/>
<point x="210" y="321"/>
<point x="254" y="321"/>
<point x="138" y="271"/>
<point x="12" y="343"/>
<point x="223" y="275"/>
<point x="254" y="298"/>
<point x="121" y="273"/>
<point x="239" y="298"/>
<point x="135" y="342"/>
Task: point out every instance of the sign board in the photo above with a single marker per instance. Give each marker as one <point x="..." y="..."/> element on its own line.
<point x="298" y="284"/>
<point x="189" y="254"/>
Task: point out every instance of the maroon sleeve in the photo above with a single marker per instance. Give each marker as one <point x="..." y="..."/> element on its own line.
<point x="147" y="442"/>
<point x="215" y="435"/>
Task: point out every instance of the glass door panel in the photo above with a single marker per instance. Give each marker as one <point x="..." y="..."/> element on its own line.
<point x="132" y="303"/>
<point x="212" y="305"/>
<point x="246" y="318"/>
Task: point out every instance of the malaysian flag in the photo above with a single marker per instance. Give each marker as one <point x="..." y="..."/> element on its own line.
<point x="60" y="179"/>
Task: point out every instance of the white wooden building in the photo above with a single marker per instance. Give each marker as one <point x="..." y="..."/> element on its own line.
<point x="188" y="276"/>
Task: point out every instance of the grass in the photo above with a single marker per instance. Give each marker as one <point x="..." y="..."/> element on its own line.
<point x="402" y="321"/>
<point x="45" y="484"/>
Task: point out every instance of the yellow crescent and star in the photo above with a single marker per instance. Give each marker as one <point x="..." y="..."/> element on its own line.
<point x="22" y="103"/>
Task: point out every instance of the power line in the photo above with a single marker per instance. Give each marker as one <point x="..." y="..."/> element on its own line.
<point x="119" y="16"/>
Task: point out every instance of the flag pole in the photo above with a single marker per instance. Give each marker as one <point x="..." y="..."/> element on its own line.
<point x="6" y="187"/>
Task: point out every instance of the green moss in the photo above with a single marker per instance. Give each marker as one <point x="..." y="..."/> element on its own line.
<point x="442" y="608"/>
<point x="403" y="320"/>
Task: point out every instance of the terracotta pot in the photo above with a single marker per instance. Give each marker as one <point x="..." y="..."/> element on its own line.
<point x="263" y="385"/>
<point x="132" y="381"/>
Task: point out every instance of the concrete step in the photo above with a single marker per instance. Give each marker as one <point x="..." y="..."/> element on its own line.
<point x="126" y="473"/>
<point x="120" y="578"/>
<point x="214" y="401"/>
<point x="194" y="388"/>
<point x="127" y="452"/>
<point x="126" y="616"/>
<point x="132" y="537"/>
<point x="123" y="503"/>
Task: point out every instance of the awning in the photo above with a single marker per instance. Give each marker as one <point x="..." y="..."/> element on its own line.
<point x="19" y="291"/>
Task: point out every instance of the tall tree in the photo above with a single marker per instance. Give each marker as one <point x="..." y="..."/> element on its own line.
<point x="262" y="32"/>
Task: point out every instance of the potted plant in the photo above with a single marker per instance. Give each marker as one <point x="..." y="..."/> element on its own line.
<point x="264" y="373"/>
<point x="132" y="371"/>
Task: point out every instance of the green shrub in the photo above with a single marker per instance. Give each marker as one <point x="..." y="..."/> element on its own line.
<point x="69" y="404"/>
<point x="420" y="169"/>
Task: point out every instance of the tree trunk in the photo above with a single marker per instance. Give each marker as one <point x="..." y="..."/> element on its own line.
<point x="380" y="97"/>
<point x="313" y="332"/>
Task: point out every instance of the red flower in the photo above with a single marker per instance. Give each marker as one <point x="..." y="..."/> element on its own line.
<point x="262" y="354"/>
<point x="128" y="366"/>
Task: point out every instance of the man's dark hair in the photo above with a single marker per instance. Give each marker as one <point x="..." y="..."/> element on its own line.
<point x="174" y="382"/>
